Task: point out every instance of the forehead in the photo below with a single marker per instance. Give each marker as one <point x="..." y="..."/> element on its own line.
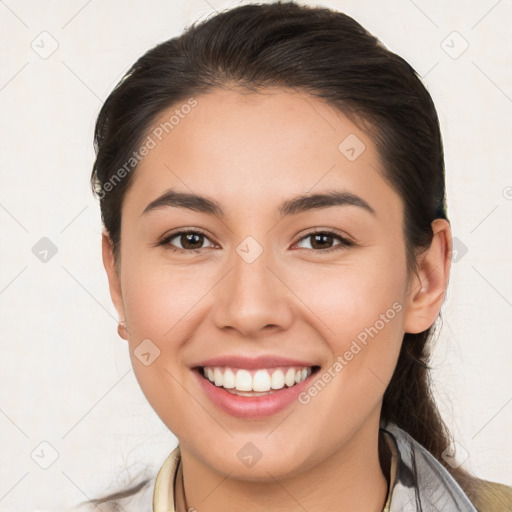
<point x="259" y="148"/>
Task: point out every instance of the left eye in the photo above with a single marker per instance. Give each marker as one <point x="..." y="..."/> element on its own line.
<point x="321" y="238"/>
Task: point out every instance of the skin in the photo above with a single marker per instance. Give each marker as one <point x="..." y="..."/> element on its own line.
<point x="250" y="152"/>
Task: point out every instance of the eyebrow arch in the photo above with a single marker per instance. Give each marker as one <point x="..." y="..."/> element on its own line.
<point x="174" y="199"/>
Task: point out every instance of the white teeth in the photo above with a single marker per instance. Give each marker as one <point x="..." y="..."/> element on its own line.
<point x="277" y="380"/>
<point x="289" y="378"/>
<point x="229" y="379"/>
<point x="260" y="380"/>
<point x="217" y="377"/>
<point x="243" y="381"/>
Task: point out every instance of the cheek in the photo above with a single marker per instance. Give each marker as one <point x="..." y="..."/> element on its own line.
<point x="360" y="312"/>
<point x="159" y="307"/>
<point x="160" y="300"/>
<point x="350" y="298"/>
<point x="163" y="307"/>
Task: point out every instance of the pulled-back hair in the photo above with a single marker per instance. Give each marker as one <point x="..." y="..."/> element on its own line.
<point x="328" y="55"/>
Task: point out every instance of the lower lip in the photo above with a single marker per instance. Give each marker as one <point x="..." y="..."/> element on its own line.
<point x="248" y="406"/>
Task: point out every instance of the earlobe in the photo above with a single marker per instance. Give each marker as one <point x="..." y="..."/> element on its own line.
<point x="428" y="286"/>
<point x="114" y="281"/>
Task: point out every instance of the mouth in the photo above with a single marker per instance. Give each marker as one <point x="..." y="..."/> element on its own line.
<point x="256" y="382"/>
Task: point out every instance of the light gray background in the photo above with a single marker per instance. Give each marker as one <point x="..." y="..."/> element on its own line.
<point x="66" y="377"/>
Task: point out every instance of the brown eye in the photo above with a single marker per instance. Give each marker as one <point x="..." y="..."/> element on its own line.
<point x="187" y="241"/>
<point x="191" y="240"/>
<point x="323" y="241"/>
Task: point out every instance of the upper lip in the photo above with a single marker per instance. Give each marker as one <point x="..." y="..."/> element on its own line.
<point x="263" y="361"/>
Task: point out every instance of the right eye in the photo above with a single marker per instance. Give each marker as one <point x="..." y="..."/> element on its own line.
<point x="189" y="240"/>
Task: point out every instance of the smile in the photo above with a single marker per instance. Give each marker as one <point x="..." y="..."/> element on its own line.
<point x="260" y="380"/>
<point x="253" y="393"/>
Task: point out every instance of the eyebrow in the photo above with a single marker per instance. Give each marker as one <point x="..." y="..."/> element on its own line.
<point x="299" y="204"/>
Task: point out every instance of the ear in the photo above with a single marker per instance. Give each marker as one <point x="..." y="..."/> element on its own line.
<point x="427" y="288"/>
<point x="114" y="281"/>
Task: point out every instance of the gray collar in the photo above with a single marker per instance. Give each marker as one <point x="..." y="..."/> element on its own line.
<point x="422" y="484"/>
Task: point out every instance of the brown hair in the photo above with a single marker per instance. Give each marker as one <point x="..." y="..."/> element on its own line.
<point x="326" y="54"/>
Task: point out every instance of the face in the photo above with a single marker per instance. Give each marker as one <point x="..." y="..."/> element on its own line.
<point x="259" y="271"/>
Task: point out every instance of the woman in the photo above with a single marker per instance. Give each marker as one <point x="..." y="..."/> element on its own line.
<point x="278" y="249"/>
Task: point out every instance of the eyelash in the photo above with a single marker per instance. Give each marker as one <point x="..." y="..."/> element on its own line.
<point x="344" y="242"/>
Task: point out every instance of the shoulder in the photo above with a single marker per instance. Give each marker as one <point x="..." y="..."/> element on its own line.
<point x="492" y="496"/>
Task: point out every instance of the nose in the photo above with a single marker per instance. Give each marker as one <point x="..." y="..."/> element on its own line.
<point x="253" y="298"/>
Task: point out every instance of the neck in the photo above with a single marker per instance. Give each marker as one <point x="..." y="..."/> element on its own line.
<point x="350" y="479"/>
